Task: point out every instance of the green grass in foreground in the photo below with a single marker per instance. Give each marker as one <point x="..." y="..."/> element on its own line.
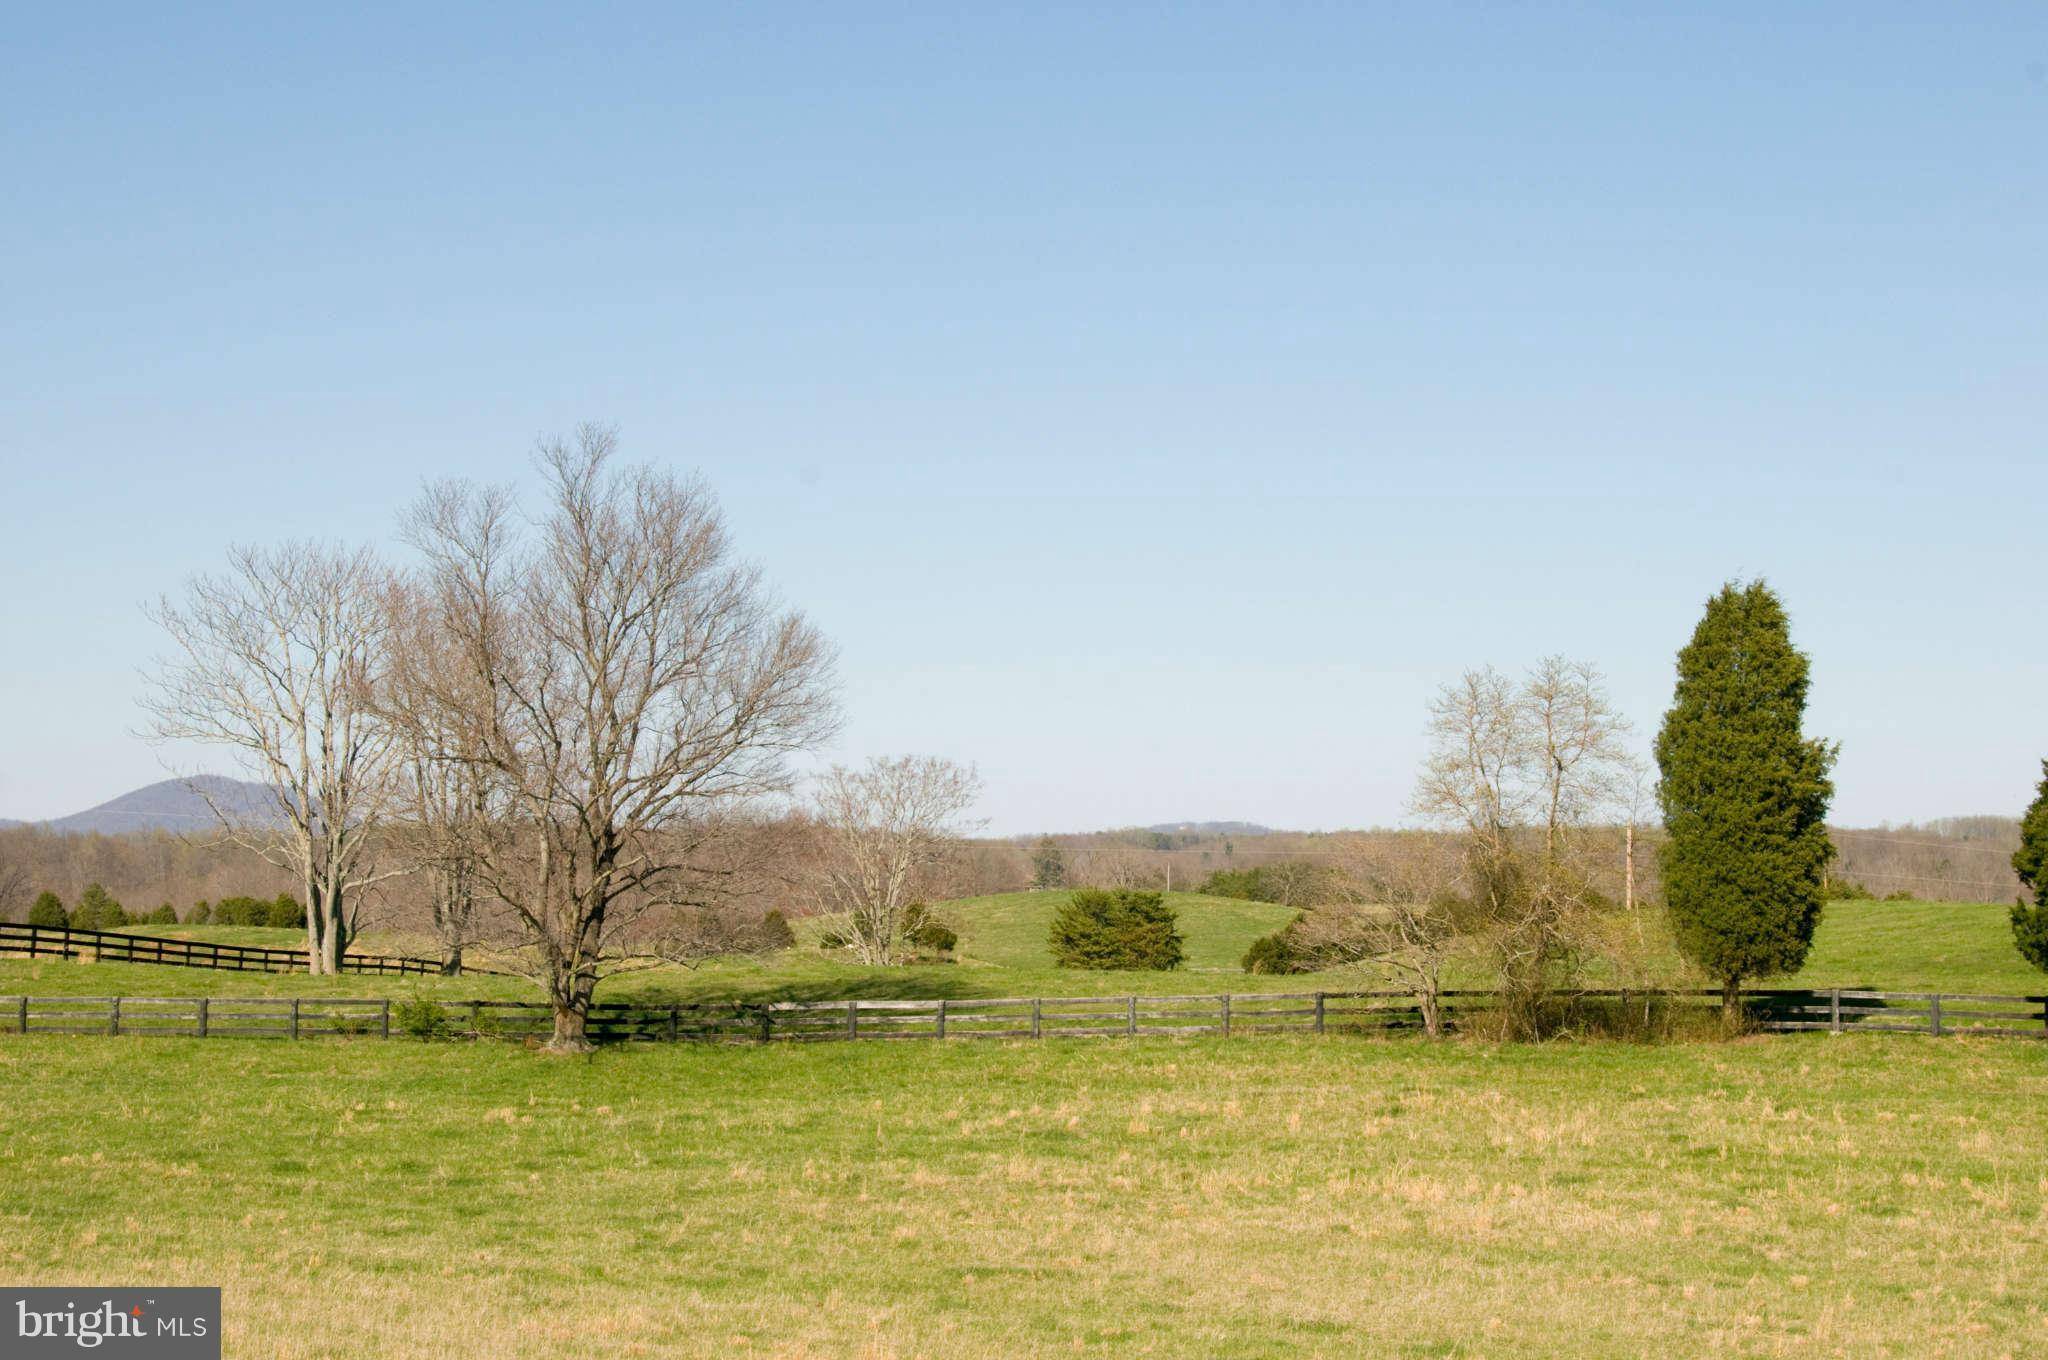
<point x="1898" y="946"/>
<point x="1798" y="1196"/>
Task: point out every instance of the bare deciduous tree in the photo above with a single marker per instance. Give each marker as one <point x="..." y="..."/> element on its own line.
<point x="13" y="884"/>
<point x="622" y="683"/>
<point x="275" y="660"/>
<point x="888" y="822"/>
<point x="1582" y="766"/>
<point x="1520" y="772"/>
<point x="446" y="801"/>
<point x="1114" y="867"/>
<point x="1405" y="917"/>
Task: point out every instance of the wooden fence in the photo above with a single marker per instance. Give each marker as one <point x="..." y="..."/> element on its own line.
<point x="113" y="946"/>
<point x="1836" y="1010"/>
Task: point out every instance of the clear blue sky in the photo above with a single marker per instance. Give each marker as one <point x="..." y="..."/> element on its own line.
<point x="1155" y="403"/>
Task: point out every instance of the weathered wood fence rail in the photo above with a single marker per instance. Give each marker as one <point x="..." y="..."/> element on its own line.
<point x="1836" y="1010"/>
<point x="113" y="946"/>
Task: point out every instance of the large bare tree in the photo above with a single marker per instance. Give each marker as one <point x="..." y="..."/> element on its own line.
<point x="274" y="659"/>
<point x="622" y="683"/>
<point x="889" y="822"/>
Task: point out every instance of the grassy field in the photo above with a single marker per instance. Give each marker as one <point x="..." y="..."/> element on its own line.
<point x="1285" y="1197"/>
<point x="1932" y="946"/>
<point x="1902" y="946"/>
<point x="1797" y="1196"/>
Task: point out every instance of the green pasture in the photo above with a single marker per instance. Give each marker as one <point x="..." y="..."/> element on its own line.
<point x="1900" y="946"/>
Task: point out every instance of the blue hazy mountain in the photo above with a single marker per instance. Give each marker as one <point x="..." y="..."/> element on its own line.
<point x="174" y="805"/>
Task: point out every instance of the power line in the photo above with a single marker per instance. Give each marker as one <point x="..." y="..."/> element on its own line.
<point x="1889" y="839"/>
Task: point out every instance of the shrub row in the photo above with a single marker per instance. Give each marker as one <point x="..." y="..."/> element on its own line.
<point x="97" y="910"/>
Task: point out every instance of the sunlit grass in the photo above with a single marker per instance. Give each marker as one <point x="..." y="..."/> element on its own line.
<point x="1800" y="1196"/>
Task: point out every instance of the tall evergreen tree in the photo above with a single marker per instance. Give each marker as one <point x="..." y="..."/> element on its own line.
<point x="2030" y="862"/>
<point x="1745" y="795"/>
<point x="1048" y="864"/>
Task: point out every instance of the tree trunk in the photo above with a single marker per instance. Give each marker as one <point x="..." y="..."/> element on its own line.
<point x="571" y="1033"/>
<point x="571" y="1028"/>
<point x="314" y="956"/>
<point x="326" y="929"/>
<point x="451" y="964"/>
<point x="1432" y="1015"/>
<point x="572" y="1015"/>
<point x="1731" y="1001"/>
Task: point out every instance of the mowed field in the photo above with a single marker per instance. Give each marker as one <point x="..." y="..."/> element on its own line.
<point x="1278" y="1197"/>
<point x="1902" y="946"/>
<point x="1259" y="1196"/>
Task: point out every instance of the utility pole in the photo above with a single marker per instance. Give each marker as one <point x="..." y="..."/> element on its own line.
<point x="1628" y="889"/>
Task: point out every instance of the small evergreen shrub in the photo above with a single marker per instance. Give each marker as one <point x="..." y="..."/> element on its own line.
<point x="1278" y="953"/>
<point x="1124" y="929"/>
<point x="243" y="911"/>
<point x="96" y="910"/>
<point x="926" y="932"/>
<point x="200" y="914"/>
<point x="48" y="910"/>
<point x="1849" y="890"/>
<point x="165" y="915"/>
<point x="1246" y="885"/>
<point x="421" y="1017"/>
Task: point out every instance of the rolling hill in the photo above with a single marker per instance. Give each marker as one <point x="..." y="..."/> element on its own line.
<point x="173" y="805"/>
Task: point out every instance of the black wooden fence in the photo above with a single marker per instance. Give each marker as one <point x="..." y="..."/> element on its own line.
<point x="1837" y="1010"/>
<point x="113" y="946"/>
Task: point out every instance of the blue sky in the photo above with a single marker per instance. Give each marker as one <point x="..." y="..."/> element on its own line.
<point x="1154" y="403"/>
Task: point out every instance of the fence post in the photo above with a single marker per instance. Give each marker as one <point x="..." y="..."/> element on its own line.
<point x="767" y="1021"/>
<point x="1035" y="1032"/>
<point x="384" y="1019"/>
<point x="1834" y="1010"/>
<point x="1130" y="1016"/>
<point x="476" y="1018"/>
<point x="1225" y="998"/>
<point x="853" y="1019"/>
<point x="1934" y="1014"/>
<point x="942" y="1017"/>
<point x="24" y="1015"/>
<point x="202" y="1017"/>
<point x="295" y="1017"/>
<point x="114" y="1015"/>
<point x="675" y="1016"/>
<point x="1319" y="1012"/>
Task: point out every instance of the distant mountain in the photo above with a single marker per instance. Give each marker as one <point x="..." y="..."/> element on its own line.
<point x="1212" y="829"/>
<point x="174" y="805"/>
